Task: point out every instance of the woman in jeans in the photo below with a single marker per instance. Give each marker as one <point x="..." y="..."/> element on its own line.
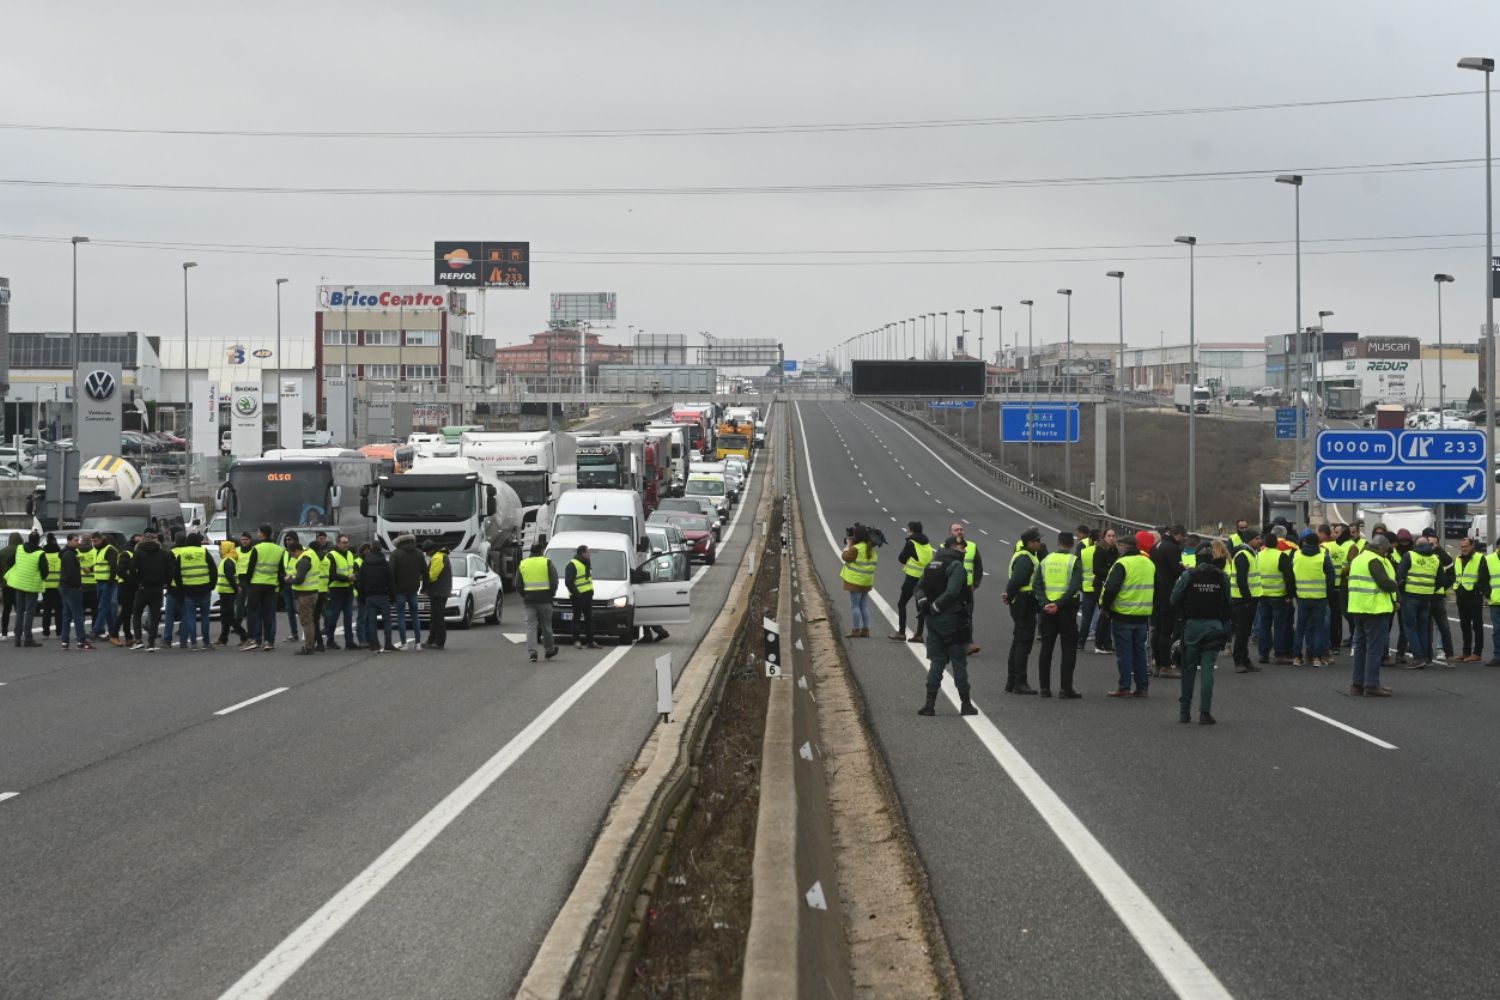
<point x="858" y="575"/>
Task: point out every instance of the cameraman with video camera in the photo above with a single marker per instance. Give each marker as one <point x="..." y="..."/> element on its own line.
<point x="858" y="575"/>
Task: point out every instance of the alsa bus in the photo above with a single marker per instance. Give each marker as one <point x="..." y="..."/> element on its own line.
<point x="302" y="490"/>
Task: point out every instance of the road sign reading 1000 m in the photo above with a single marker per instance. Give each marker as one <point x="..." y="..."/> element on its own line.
<point x="1413" y="465"/>
<point x="918" y="379"/>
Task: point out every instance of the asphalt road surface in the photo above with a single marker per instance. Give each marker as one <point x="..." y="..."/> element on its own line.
<point x="1098" y="848"/>
<point x="396" y="825"/>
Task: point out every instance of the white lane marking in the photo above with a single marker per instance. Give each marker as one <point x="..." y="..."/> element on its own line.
<point x="251" y="701"/>
<point x="514" y="636"/>
<point x="965" y="520"/>
<point x="950" y="510"/>
<point x="961" y="477"/>
<point x="1173" y="957"/>
<point x="1348" y="729"/>
<point x="983" y="532"/>
<point x="303" y="943"/>
<point x="8" y="795"/>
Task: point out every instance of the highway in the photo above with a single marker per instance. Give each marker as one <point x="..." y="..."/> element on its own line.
<point x="1311" y="844"/>
<point x="395" y="825"/>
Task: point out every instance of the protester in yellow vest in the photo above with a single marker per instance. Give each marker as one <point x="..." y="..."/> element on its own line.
<point x="1273" y="618"/>
<point x="339" y="596"/>
<point x="1244" y="596"/>
<point x="914" y="556"/>
<point x="858" y="575"/>
<point x="1372" y="591"/>
<point x="1020" y="597"/>
<point x="1419" y="582"/>
<point x="1469" y="598"/>
<point x="306" y="581"/>
<point x="24" y="578"/>
<point x="1312" y="579"/>
<point x="1058" y="583"/>
<point x="1130" y="596"/>
<point x="50" y="603"/>
<point x="1098" y="559"/>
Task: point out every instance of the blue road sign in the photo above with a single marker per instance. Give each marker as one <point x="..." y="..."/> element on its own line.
<point x="1355" y="447"/>
<point x="788" y="366"/>
<point x="1286" y="423"/>
<point x="950" y="404"/>
<point x="1416" y="484"/>
<point x="1051" y="423"/>
<point x="1417" y="466"/>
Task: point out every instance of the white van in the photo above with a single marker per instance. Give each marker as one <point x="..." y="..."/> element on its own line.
<point x="620" y="607"/>
<point x="618" y="511"/>
<point x="710" y="485"/>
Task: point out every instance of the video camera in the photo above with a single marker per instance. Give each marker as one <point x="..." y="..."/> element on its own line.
<point x="877" y="537"/>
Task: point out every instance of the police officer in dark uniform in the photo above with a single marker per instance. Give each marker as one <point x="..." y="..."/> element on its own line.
<point x="1201" y="596"/>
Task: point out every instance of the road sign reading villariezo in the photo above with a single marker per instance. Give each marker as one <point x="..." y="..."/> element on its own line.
<point x="1409" y="465"/>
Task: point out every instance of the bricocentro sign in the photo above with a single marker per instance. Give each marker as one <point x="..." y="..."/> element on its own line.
<point x="414" y="297"/>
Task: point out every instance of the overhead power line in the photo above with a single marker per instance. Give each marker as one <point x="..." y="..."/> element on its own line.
<point x="782" y="261"/>
<point x="728" y="130"/>
<point x="1407" y="166"/>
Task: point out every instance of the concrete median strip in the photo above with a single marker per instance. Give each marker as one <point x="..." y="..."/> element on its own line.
<point x="599" y="921"/>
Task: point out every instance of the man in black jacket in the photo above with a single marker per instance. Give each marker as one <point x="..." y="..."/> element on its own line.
<point x="7" y="560"/>
<point x="1167" y="556"/>
<point x="1023" y="608"/>
<point x="1243" y="602"/>
<point x="125" y="594"/>
<point x="437" y="581"/>
<point x="973" y="569"/>
<point x="376" y="591"/>
<point x="947" y="601"/>
<point x="1057" y="583"/>
<point x="153" y="572"/>
<point x="70" y="594"/>
<point x="913" y="559"/>
<point x="1202" y="596"/>
<point x="408" y="569"/>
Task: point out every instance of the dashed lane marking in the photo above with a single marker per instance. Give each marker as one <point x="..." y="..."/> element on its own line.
<point x="1348" y="729"/>
<point x="251" y="701"/>
<point x="8" y="795"/>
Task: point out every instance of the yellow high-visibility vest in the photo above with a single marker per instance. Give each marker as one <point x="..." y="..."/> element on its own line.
<point x="1365" y="598"/>
<point x="861" y="572"/>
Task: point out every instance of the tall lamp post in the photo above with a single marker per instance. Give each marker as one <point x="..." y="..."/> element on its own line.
<point x="1440" y="280"/>
<point x="1295" y="180"/>
<point x="349" y="381"/>
<point x="1030" y="435"/>
<point x="1487" y="67"/>
<point x="74" y="343"/>
<point x="1067" y="293"/>
<point x="281" y="416"/>
<point x="947" y="351"/>
<point x="1317" y="393"/>
<point x="1119" y="385"/>
<point x="187" y="395"/>
<point x="1192" y="504"/>
<point x="1000" y="405"/>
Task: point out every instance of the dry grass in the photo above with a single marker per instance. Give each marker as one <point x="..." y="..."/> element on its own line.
<point x="693" y="941"/>
<point x="1234" y="458"/>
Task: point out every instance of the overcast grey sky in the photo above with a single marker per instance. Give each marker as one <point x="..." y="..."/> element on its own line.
<point x="506" y="66"/>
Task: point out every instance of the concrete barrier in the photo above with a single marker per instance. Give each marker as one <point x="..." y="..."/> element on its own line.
<point x="583" y="954"/>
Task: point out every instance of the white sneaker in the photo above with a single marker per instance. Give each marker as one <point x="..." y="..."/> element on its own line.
<point x="1439" y="658"/>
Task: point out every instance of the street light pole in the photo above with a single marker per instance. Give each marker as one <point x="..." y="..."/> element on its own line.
<point x="1321" y="405"/>
<point x="1119" y="386"/>
<point x="1068" y="397"/>
<point x="1295" y="180"/>
<point x="349" y="382"/>
<point x="280" y="415"/>
<point x="947" y="351"/>
<point x="1000" y="404"/>
<point x="1487" y="67"/>
<point x="187" y="395"/>
<point x="1440" y="280"/>
<point x="1192" y="504"/>
<point x="1030" y="434"/>
<point x="74" y="344"/>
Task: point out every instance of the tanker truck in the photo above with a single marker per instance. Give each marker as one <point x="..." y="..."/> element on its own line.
<point x="107" y="477"/>
<point x="453" y="501"/>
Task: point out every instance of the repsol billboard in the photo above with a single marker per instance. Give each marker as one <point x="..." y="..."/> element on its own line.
<point x="918" y="379"/>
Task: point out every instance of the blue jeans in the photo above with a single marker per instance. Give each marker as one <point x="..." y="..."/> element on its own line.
<point x="1086" y="617"/>
<point x="26" y="605"/>
<point x="195" y="617"/>
<point x="340" y="602"/>
<point x="1130" y="652"/>
<point x="1273" y="626"/>
<point x="1372" y="636"/>
<point x="859" y="609"/>
<point x="1312" y="628"/>
<point x="106" y="618"/>
<point x="407" y="603"/>
<point x="289" y="601"/>
<point x="1416" y="609"/>
<point x="173" y="612"/>
<point x="72" y="613"/>
<point x="375" y="606"/>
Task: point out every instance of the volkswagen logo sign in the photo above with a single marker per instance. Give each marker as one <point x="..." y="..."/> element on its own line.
<point x="246" y="405"/>
<point x="100" y="385"/>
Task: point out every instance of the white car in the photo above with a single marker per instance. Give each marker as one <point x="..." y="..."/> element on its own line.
<point x="476" y="592"/>
<point x="1431" y="420"/>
